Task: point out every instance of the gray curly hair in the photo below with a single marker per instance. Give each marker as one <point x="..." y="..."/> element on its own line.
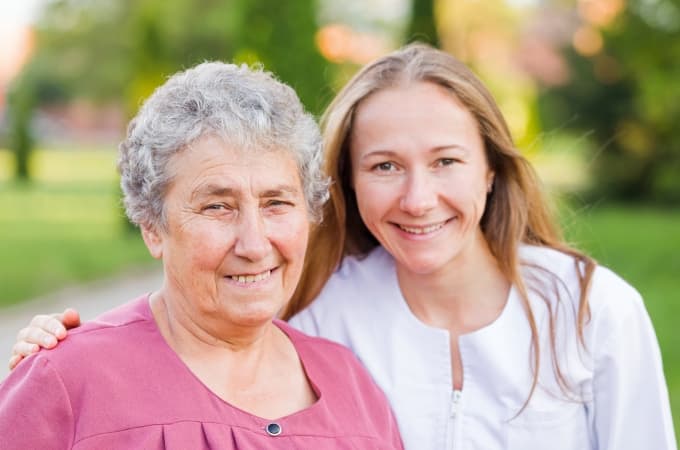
<point x="245" y="106"/>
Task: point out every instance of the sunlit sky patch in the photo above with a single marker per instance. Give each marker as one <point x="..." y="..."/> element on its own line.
<point x="18" y="12"/>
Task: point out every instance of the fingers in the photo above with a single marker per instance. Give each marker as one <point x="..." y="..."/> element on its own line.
<point x="49" y="324"/>
<point x="30" y="339"/>
<point x="22" y="349"/>
<point x="14" y="360"/>
<point x="70" y="318"/>
<point x="34" y="336"/>
<point x="43" y="331"/>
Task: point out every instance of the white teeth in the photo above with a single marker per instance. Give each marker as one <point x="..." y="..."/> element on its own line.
<point x="422" y="230"/>
<point x="251" y="278"/>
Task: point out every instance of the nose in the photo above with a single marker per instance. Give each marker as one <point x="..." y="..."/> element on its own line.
<point x="252" y="242"/>
<point x="419" y="195"/>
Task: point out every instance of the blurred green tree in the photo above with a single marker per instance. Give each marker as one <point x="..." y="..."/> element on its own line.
<point x="422" y="26"/>
<point x="627" y="95"/>
<point x="120" y="50"/>
<point x="21" y="101"/>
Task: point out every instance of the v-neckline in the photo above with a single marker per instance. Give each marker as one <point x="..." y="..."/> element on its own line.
<point x="300" y="351"/>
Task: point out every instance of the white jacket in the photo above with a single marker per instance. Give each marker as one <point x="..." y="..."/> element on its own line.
<point x="619" y="396"/>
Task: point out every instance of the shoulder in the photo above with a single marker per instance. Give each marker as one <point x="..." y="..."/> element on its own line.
<point x="333" y="366"/>
<point x="117" y="331"/>
<point x="608" y="294"/>
<point x="617" y="308"/>
<point x="548" y="259"/>
<point x="318" y="348"/>
<point x="136" y="310"/>
<point x="362" y="268"/>
<point x="550" y="276"/>
<point x="99" y="355"/>
<point x="356" y="277"/>
<point x="119" y="320"/>
<point x="567" y="269"/>
<point x="361" y="286"/>
<point x="35" y="408"/>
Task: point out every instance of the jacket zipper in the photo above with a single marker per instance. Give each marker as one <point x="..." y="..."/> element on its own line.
<point x="454" y="412"/>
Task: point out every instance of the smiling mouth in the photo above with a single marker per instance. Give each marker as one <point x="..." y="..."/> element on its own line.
<point x="422" y="230"/>
<point x="251" y="278"/>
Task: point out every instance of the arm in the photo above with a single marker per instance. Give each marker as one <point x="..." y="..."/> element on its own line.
<point x="35" y="409"/>
<point x="43" y="331"/>
<point x="631" y="407"/>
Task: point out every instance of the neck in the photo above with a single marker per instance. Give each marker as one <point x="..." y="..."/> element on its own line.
<point x="212" y="352"/>
<point x="467" y="294"/>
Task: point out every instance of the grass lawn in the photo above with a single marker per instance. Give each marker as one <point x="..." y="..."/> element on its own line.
<point x="643" y="246"/>
<point x="63" y="228"/>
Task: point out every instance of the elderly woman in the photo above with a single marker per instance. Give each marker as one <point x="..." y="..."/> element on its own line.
<point x="221" y="171"/>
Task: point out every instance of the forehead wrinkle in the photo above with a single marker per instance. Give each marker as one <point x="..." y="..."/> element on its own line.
<point x="281" y="189"/>
<point x="216" y="190"/>
<point x="212" y="190"/>
<point x="458" y="147"/>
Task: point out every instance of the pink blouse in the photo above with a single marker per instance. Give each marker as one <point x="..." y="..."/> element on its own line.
<point x="115" y="384"/>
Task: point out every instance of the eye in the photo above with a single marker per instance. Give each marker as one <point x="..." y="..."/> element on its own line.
<point x="216" y="209"/>
<point x="443" y="162"/>
<point x="386" y="166"/>
<point x="277" y="203"/>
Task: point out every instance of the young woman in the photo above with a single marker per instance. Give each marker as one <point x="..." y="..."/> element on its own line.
<point x="439" y="264"/>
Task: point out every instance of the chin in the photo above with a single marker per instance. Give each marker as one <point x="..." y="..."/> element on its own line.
<point x="424" y="267"/>
<point x="254" y="316"/>
<point x="252" y="320"/>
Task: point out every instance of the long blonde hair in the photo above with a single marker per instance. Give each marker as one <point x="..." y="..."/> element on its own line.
<point x="516" y="213"/>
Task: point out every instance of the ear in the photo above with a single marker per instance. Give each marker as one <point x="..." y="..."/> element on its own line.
<point x="489" y="181"/>
<point x="153" y="240"/>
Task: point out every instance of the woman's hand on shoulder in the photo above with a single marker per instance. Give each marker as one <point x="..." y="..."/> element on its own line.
<point x="43" y="331"/>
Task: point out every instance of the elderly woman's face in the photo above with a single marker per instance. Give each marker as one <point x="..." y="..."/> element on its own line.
<point x="237" y="228"/>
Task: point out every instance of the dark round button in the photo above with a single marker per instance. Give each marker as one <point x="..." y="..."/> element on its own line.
<point x="273" y="429"/>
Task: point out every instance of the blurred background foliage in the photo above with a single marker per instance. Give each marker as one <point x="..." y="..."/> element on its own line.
<point x="625" y="90"/>
<point x="106" y="50"/>
<point x="598" y="75"/>
<point x="590" y="90"/>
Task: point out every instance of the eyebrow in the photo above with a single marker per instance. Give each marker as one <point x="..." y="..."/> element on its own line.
<point x="442" y="148"/>
<point x="439" y="148"/>
<point x="212" y="190"/>
<point x="215" y="190"/>
<point x="280" y="190"/>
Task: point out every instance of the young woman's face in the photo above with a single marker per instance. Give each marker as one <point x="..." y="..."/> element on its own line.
<point x="420" y="175"/>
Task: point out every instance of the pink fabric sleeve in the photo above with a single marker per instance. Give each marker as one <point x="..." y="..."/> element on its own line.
<point x="395" y="435"/>
<point x="374" y="400"/>
<point x="379" y="400"/>
<point x="35" y="410"/>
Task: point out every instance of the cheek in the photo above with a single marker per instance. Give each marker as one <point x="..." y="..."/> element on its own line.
<point x="289" y="234"/>
<point x="373" y="199"/>
<point x="467" y="186"/>
<point x="207" y="245"/>
<point x="370" y="214"/>
<point x="475" y="195"/>
<point x="481" y="186"/>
